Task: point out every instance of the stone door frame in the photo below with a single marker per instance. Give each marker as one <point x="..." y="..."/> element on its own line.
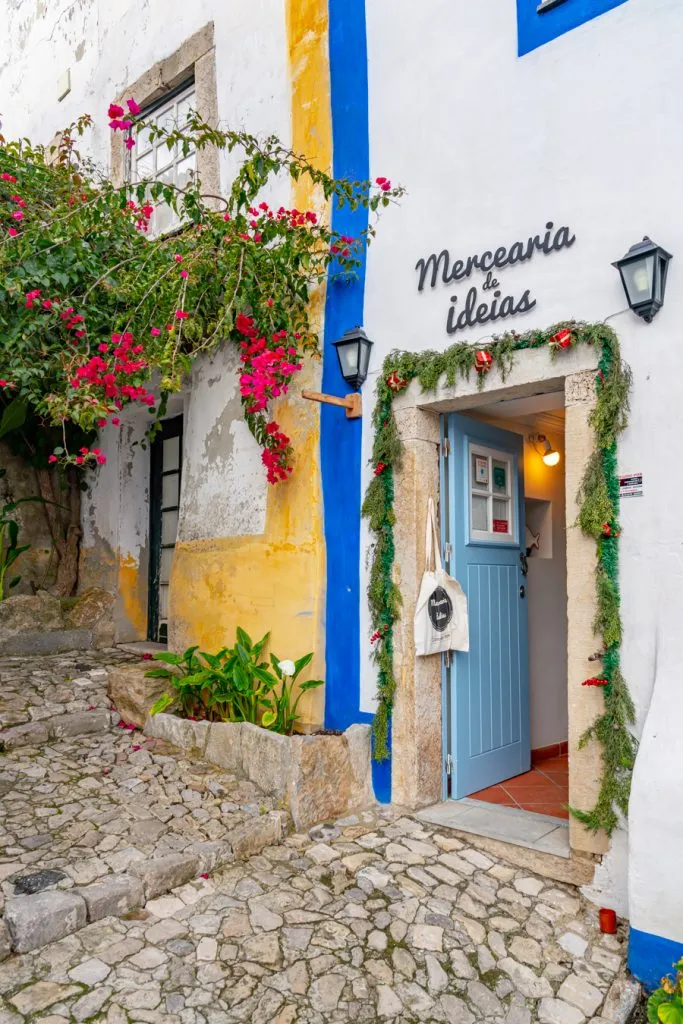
<point x="417" y="725"/>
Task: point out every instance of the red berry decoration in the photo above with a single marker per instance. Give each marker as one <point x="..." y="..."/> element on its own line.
<point x="563" y="339"/>
<point x="396" y="382"/>
<point x="595" y="682"/>
<point x="610" y="531"/>
<point x="483" y="361"/>
<point x="380" y="467"/>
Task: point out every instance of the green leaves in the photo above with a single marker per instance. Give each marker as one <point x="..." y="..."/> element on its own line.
<point x="13" y="417"/>
<point x="233" y="685"/>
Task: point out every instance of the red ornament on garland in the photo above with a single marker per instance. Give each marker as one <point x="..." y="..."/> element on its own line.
<point x="483" y="360"/>
<point x="396" y="382"/>
<point x="610" y="531"/>
<point x="379" y="468"/>
<point x="563" y="339"/>
<point x="595" y="682"/>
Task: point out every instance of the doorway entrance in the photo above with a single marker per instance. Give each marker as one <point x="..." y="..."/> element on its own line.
<point x="503" y="531"/>
<point x="164" y="502"/>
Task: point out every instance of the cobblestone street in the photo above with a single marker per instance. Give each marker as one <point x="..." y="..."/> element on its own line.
<point x="376" y="917"/>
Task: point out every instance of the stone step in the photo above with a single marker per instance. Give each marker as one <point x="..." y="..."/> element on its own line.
<point x="31" y="922"/>
<point x="77" y="723"/>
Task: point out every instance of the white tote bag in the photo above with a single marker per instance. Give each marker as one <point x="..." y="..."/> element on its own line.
<point x="441" y="622"/>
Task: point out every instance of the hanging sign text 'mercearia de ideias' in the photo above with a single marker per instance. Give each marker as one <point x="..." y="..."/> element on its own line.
<point x="494" y="305"/>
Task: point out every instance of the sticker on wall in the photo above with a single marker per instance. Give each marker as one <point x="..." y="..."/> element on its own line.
<point x="500" y="526"/>
<point x="499" y="476"/>
<point x="631" y="485"/>
<point x="481" y="470"/>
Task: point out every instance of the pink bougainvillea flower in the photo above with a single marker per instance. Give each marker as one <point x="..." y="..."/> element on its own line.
<point x="47" y="303"/>
<point x="101" y="423"/>
<point x="52" y="458"/>
<point x="178" y="258"/>
<point x="204" y="875"/>
<point x="18" y="200"/>
<point x="18" y="215"/>
<point x="9" y="177"/>
<point x="147" y="656"/>
<point x="226" y="216"/>
<point x="130" y="142"/>
<point x="147" y="211"/>
<point x="12" y="232"/>
<point x="116" y="421"/>
<point x="115" y="110"/>
<point x="79" y="460"/>
<point x="155" y="331"/>
<point x="103" y="347"/>
<point x="180" y="314"/>
<point x="184" y="273"/>
<point x="133" y="107"/>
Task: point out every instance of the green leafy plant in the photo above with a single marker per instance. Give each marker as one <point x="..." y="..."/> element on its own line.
<point x="281" y="708"/>
<point x="665" y="1005"/>
<point x="233" y="685"/>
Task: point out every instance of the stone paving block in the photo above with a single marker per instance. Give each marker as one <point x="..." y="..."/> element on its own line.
<point x="32" y="643"/>
<point x="224" y="745"/>
<point x="5" y="944"/>
<point x="212" y="855"/>
<point x="30" y="734"/>
<point x="33" y="921"/>
<point x="164" y="873"/>
<point x="78" y="724"/>
<point x="251" y="837"/>
<point x="114" y="896"/>
<point x="133" y="693"/>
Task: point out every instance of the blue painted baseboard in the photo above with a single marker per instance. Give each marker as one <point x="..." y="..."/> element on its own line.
<point x="650" y="957"/>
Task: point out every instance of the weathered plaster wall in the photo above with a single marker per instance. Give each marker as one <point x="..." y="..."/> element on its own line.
<point x="36" y="566"/>
<point x="247" y="554"/>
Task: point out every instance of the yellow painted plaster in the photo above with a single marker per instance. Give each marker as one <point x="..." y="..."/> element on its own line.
<point x="276" y="581"/>
<point x="132" y="596"/>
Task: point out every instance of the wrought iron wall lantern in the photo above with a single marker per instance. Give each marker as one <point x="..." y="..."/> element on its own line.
<point x="643" y="273"/>
<point x="353" y="353"/>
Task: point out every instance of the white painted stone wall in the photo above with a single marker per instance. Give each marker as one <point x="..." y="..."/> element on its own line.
<point x="582" y="131"/>
<point x="104" y="46"/>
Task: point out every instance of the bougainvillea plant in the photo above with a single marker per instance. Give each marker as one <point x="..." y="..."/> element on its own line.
<point x="97" y="312"/>
<point x="598" y="518"/>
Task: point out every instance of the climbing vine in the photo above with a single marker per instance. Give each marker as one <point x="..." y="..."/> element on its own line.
<point x="598" y="518"/>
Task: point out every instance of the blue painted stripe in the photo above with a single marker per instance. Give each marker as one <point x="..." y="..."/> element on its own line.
<point x="340" y="439"/>
<point x="651" y="957"/>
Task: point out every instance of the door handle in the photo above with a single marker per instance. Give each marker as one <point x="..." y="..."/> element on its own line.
<point x="524" y="563"/>
<point x="522" y="591"/>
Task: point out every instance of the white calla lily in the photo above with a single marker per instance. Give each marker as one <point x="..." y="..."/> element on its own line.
<point x="287" y="667"/>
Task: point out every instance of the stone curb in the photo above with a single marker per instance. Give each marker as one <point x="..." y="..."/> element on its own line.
<point x="78" y="723"/>
<point x="319" y="777"/>
<point x="31" y="922"/>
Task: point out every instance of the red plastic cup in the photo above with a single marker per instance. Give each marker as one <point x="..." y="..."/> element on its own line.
<point x="608" y="921"/>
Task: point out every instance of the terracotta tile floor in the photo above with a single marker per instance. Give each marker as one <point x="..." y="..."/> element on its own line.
<point x="543" y="790"/>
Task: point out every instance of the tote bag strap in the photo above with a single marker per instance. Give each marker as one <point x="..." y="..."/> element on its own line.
<point x="432" y="540"/>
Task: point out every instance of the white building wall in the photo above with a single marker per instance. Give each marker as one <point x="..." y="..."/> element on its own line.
<point x="583" y="131"/>
<point x="103" y="45"/>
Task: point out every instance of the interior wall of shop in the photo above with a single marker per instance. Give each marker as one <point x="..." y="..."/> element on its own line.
<point x="546" y="589"/>
<point x="491" y="146"/>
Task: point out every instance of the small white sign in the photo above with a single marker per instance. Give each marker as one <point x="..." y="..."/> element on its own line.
<point x="482" y="470"/>
<point x="631" y="485"/>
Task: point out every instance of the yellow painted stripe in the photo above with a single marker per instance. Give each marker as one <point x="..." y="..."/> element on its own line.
<point x="276" y="581"/>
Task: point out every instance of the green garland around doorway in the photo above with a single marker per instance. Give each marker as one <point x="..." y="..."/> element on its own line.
<point x="598" y="518"/>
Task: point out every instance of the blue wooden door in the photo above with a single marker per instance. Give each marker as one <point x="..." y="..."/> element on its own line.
<point x="487" y="688"/>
